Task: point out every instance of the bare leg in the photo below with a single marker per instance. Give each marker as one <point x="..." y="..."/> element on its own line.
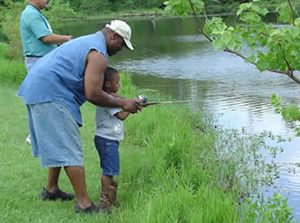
<point x="106" y="180"/>
<point x="53" y="175"/>
<point x="77" y="178"/>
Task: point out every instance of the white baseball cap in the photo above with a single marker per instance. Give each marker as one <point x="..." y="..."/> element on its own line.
<point x="123" y="29"/>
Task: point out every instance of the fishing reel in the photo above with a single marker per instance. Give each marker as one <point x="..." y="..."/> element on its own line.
<point x="143" y="99"/>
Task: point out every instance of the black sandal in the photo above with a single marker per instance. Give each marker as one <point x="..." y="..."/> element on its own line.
<point x="59" y="195"/>
<point x="90" y="209"/>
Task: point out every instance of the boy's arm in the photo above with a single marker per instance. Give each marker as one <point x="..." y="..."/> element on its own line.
<point x="122" y="115"/>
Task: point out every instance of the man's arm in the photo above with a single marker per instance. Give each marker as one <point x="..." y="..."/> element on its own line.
<point x="116" y="95"/>
<point x="55" y="39"/>
<point x="41" y="31"/>
<point x="93" y="81"/>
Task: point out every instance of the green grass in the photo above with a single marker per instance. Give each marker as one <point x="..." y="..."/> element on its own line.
<point x="171" y="166"/>
<point x="11" y="70"/>
<point x="160" y="179"/>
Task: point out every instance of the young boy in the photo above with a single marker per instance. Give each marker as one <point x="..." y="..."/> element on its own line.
<point x="109" y="131"/>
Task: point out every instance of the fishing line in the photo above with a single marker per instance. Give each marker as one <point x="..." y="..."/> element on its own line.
<point x="146" y="49"/>
<point x="168" y="102"/>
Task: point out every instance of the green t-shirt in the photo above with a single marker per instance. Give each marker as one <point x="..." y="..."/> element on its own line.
<point x="33" y="26"/>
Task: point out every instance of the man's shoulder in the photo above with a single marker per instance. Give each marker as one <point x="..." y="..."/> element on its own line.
<point x="30" y="12"/>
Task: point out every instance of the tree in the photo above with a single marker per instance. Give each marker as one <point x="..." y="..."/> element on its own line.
<point x="271" y="48"/>
<point x="280" y="45"/>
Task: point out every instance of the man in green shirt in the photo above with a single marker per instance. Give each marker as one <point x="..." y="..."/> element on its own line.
<point x="36" y="34"/>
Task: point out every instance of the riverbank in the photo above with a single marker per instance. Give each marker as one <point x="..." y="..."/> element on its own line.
<point x="174" y="167"/>
<point x="158" y="170"/>
<point x="210" y="11"/>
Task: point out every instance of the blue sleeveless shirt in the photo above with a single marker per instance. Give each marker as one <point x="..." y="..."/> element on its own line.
<point x="59" y="76"/>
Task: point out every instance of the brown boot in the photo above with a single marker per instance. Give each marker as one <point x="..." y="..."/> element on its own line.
<point x="105" y="201"/>
<point x="113" y="190"/>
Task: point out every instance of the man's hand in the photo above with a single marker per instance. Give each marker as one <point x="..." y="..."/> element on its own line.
<point x="56" y="39"/>
<point x="131" y="105"/>
<point x="68" y="38"/>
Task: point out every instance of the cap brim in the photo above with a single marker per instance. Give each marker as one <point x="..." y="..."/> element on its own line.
<point x="128" y="44"/>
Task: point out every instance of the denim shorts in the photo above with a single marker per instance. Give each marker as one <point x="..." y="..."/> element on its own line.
<point x="54" y="134"/>
<point x="109" y="155"/>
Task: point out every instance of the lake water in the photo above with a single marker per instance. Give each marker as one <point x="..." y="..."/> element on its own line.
<point x="171" y="57"/>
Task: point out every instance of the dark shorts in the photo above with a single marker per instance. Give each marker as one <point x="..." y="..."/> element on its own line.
<point x="109" y="155"/>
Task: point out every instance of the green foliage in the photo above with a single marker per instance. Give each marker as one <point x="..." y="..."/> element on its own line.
<point x="100" y="6"/>
<point x="12" y="70"/>
<point x="2" y="12"/>
<point x="182" y="7"/>
<point x="246" y="158"/>
<point x="285" y="14"/>
<point x="222" y="35"/>
<point x="215" y="27"/>
<point x="96" y="5"/>
<point x="271" y="48"/>
<point x="4" y="51"/>
<point x="280" y="45"/>
<point x="275" y="209"/>
<point x="10" y="26"/>
<point x="58" y="9"/>
<point x="75" y="4"/>
<point x="289" y="113"/>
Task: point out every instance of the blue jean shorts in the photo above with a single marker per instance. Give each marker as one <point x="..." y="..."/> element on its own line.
<point x="54" y="134"/>
<point x="109" y="155"/>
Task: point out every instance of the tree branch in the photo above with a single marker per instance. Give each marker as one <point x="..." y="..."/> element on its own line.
<point x="293" y="13"/>
<point x="289" y="73"/>
<point x="200" y="24"/>
<point x="204" y="12"/>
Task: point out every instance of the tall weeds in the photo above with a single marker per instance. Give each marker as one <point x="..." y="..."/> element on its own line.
<point x="11" y="70"/>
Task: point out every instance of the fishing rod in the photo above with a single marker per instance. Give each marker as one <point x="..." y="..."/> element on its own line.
<point x="144" y="101"/>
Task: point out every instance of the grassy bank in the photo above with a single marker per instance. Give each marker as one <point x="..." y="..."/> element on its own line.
<point x="11" y="70"/>
<point x="174" y="168"/>
<point x="161" y="179"/>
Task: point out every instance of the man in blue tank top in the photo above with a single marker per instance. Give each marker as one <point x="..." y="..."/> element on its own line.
<point x="53" y="92"/>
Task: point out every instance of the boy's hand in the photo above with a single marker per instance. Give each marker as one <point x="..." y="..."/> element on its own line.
<point x="131" y="105"/>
